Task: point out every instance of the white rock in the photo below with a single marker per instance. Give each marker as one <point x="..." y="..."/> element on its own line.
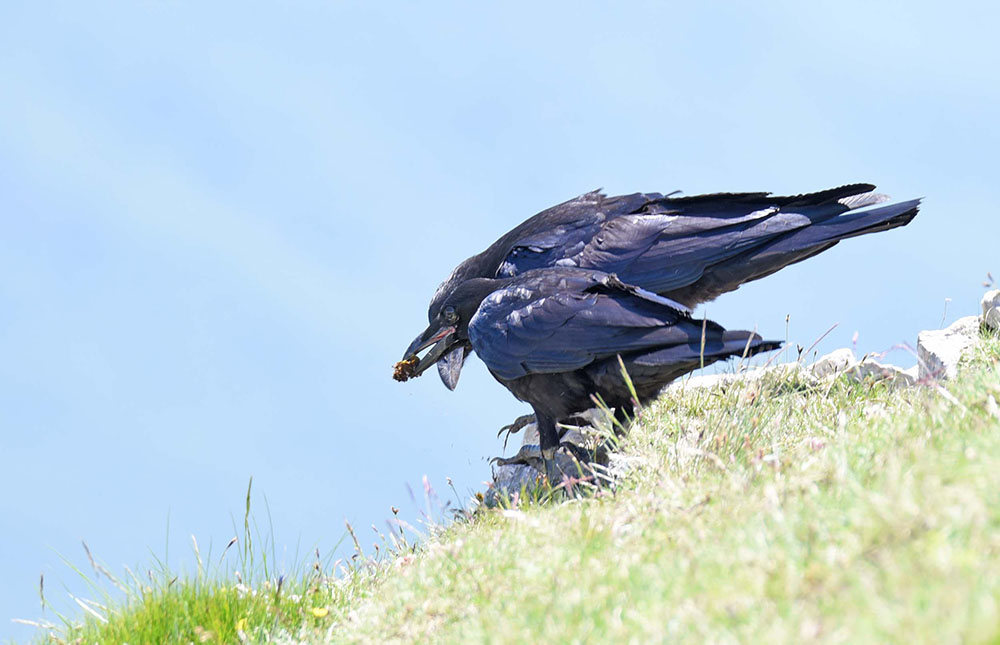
<point x="991" y="309"/>
<point x="781" y="370"/>
<point x="835" y="362"/>
<point x="992" y="407"/>
<point x="842" y="361"/>
<point x="789" y="370"/>
<point x="940" y="350"/>
<point x="700" y="382"/>
<point x="872" y="369"/>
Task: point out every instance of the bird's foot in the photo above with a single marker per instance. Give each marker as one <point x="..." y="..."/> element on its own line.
<point x="530" y="454"/>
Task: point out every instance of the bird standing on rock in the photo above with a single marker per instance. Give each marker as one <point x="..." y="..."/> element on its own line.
<point x="551" y="304"/>
<point x="554" y="338"/>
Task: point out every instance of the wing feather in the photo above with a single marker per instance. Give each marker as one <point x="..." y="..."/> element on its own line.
<point x="528" y="327"/>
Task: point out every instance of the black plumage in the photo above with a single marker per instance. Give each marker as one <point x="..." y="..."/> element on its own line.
<point x="554" y="336"/>
<point x="553" y="303"/>
<point x="689" y="249"/>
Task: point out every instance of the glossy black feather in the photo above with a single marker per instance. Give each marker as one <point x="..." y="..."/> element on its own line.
<point x="551" y="305"/>
<point x="691" y="249"/>
<point x="562" y="319"/>
<point x="553" y="337"/>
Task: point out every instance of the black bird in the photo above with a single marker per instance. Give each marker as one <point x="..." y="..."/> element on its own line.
<point x="688" y="249"/>
<point x="553" y="337"/>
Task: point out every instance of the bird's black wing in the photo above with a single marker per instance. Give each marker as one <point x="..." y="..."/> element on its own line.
<point x="554" y="321"/>
<point x="694" y="248"/>
<point x="561" y="232"/>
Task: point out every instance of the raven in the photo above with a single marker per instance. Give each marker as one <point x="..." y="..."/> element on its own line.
<point x="688" y="249"/>
<point x="554" y="337"/>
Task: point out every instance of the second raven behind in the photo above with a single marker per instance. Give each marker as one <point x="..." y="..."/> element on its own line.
<point x="688" y="249"/>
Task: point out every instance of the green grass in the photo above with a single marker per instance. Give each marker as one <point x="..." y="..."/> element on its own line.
<point x="217" y="603"/>
<point x="773" y="510"/>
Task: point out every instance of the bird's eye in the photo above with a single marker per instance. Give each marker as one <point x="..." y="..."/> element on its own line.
<point x="449" y="314"/>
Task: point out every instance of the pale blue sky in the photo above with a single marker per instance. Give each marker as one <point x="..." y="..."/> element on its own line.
<point x="222" y="223"/>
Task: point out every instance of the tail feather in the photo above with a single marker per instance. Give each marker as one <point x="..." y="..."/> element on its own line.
<point x="850" y="224"/>
<point x="651" y="371"/>
<point x="863" y="199"/>
<point x="796" y="246"/>
<point x="733" y="343"/>
<point x="722" y="202"/>
<point x="827" y="196"/>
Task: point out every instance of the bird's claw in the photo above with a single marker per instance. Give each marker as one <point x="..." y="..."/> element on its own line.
<point x="516" y="426"/>
<point x="530" y="454"/>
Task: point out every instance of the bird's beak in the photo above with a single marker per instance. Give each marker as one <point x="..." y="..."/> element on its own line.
<point x="440" y="341"/>
<point x="450" y="365"/>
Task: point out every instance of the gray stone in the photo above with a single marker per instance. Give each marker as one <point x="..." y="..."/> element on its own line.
<point x="836" y="362"/>
<point x="991" y="309"/>
<point x="511" y="479"/>
<point x="940" y="350"/>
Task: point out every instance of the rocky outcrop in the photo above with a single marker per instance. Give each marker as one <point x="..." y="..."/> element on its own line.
<point x="991" y="310"/>
<point x="842" y="361"/>
<point x="834" y="363"/>
<point x="870" y="368"/>
<point x="939" y="351"/>
<point x="509" y="479"/>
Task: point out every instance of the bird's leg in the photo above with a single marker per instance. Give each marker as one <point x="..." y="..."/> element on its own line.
<point x="548" y="443"/>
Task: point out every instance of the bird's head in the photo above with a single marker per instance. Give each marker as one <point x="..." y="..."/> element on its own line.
<point x="447" y="335"/>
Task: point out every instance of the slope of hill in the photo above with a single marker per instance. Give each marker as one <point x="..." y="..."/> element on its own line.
<point x="777" y="508"/>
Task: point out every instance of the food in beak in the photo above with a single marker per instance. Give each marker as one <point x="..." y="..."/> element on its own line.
<point x="404" y="369"/>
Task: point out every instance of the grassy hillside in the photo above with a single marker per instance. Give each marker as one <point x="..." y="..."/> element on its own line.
<point x="776" y="510"/>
